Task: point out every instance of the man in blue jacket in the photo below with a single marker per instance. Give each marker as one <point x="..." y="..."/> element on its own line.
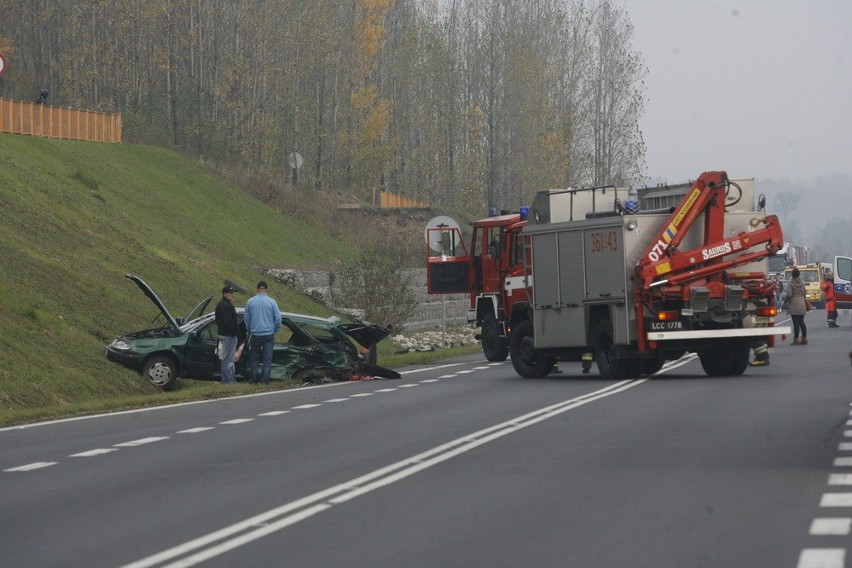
<point x="263" y="320"/>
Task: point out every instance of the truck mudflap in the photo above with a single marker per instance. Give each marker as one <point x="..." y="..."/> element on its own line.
<point x="711" y="333"/>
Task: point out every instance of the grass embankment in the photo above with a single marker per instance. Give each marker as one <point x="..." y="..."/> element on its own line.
<point x="76" y="217"/>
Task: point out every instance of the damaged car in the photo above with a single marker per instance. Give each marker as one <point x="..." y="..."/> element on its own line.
<point x="307" y="348"/>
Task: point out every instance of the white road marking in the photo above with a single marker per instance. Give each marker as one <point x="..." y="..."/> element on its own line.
<point x="141" y="442"/>
<point x="361" y="394"/>
<point x="836" y="500"/>
<point x="239" y="534"/>
<point x="92" y="453"/>
<point x="411" y="386"/>
<point x="336" y="400"/>
<point x="839" y="526"/>
<point x="386" y="390"/>
<point x="840" y="478"/>
<point x="238" y="421"/>
<point x="845" y="446"/>
<point x="479" y="368"/>
<point x="305" y="406"/>
<point x="196" y="430"/>
<point x="822" y="558"/>
<point x="31" y="466"/>
<point x="842" y="462"/>
<point x="427" y="381"/>
<point x="465" y="371"/>
<point x="847" y="433"/>
<point x="274" y="413"/>
<point x="446" y="376"/>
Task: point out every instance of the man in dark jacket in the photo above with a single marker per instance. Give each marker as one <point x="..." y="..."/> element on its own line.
<point x="229" y="333"/>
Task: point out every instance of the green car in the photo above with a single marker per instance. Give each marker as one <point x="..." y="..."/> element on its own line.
<point x="307" y="348"/>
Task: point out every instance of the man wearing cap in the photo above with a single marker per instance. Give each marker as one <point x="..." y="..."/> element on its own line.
<point x="263" y="320"/>
<point x="229" y="333"/>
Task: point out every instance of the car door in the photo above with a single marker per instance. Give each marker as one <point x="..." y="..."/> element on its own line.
<point x="200" y="356"/>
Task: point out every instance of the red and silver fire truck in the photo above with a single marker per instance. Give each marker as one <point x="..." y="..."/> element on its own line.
<point x="595" y="274"/>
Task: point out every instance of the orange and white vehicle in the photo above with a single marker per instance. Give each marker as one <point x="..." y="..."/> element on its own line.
<point x="811" y="276"/>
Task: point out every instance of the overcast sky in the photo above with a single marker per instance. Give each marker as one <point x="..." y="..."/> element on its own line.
<point x="759" y="88"/>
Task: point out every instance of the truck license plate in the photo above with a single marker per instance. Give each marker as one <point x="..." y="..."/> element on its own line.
<point x="666" y="325"/>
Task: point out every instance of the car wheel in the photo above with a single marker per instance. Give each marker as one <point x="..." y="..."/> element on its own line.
<point x="494" y="347"/>
<point x="160" y="372"/>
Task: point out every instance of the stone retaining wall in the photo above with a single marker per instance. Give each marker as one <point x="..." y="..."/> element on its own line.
<point x="431" y="309"/>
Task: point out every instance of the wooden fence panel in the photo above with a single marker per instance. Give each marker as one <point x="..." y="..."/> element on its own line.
<point x="17" y="117"/>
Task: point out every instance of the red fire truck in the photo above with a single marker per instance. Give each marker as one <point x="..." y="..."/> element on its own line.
<point x="590" y="273"/>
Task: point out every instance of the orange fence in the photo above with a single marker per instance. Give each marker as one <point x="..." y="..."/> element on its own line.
<point x="394" y="201"/>
<point x="57" y="122"/>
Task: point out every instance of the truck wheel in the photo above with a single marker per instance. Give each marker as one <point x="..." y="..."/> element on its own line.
<point x="610" y="364"/>
<point x="494" y="347"/>
<point x="160" y="372"/>
<point x="528" y="362"/>
<point x="738" y="355"/>
<point x="713" y="362"/>
<point x="727" y="360"/>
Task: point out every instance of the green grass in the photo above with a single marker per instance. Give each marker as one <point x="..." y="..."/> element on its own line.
<point x="75" y="217"/>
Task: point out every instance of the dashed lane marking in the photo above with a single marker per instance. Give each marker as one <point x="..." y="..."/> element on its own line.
<point x="31" y="466"/>
<point x="836" y="500"/>
<point x="274" y="413"/>
<point x="92" y="453"/>
<point x="336" y="400"/>
<point x="141" y="441"/>
<point x="305" y="406"/>
<point x="237" y="421"/>
<point x="361" y="394"/>
<point x="822" y="558"/>
<point x="840" y="478"/>
<point x="831" y="526"/>
<point x="195" y="430"/>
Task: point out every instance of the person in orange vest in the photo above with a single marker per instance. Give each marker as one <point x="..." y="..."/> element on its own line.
<point x="830" y="303"/>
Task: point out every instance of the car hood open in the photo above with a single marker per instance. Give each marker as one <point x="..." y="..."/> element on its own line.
<point x="175" y="324"/>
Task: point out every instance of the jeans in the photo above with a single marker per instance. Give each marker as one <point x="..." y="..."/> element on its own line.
<point x="261" y="346"/>
<point x="227" y="349"/>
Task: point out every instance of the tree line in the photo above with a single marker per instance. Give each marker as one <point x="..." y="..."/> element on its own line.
<point x="461" y="103"/>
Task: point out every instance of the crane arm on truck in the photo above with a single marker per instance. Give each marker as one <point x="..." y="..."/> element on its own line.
<point x="664" y="263"/>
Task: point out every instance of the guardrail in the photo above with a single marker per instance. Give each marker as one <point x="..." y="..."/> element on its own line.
<point x="18" y="117"/>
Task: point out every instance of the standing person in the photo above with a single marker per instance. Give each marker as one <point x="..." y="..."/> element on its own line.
<point x="798" y="308"/>
<point x="263" y="320"/>
<point x="229" y="334"/>
<point x="830" y="302"/>
<point x="779" y="291"/>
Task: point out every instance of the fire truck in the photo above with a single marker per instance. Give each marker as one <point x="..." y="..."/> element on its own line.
<point x="591" y="274"/>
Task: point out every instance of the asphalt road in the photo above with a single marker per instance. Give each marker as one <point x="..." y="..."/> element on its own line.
<point x="462" y="464"/>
